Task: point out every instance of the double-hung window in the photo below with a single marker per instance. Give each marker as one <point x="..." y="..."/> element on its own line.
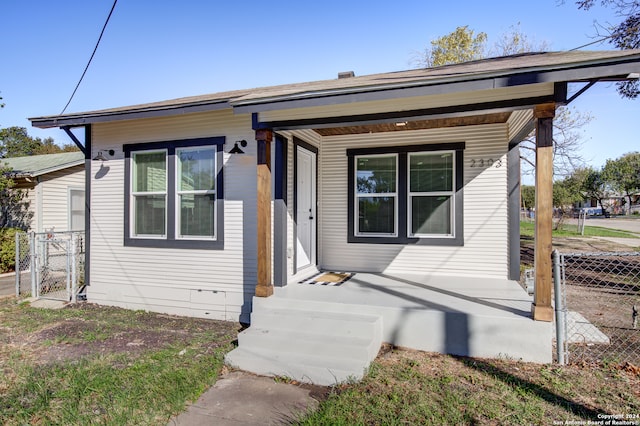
<point x="196" y="192"/>
<point x="431" y="193"/>
<point x="174" y="194"/>
<point x="149" y="193"/>
<point x="406" y="194"/>
<point x="377" y="195"/>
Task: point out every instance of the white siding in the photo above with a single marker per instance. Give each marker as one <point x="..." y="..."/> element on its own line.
<point x="517" y="120"/>
<point x="485" y="208"/>
<point x="54" y="190"/>
<point x="209" y="283"/>
<point x="30" y="189"/>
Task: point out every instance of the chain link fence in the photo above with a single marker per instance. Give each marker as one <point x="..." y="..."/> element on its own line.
<point x="599" y="302"/>
<point x="50" y="265"/>
<point x="23" y="265"/>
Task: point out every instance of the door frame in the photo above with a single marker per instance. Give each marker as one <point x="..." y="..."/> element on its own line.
<point x="314" y="150"/>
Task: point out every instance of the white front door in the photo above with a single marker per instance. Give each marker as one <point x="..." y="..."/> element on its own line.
<point x="305" y="208"/>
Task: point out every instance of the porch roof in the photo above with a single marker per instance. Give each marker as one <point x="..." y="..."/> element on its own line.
<point x="492" y="73"/>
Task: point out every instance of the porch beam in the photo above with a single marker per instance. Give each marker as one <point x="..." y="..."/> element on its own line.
<point x="264" y="286"/>
<point x="75" y="140"/>
<point x="541" y="309"/>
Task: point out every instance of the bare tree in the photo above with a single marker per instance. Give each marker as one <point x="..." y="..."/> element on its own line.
<point x="464" y="44"/>
<point x="567" y="143"/>
<point x="623" y="35"/>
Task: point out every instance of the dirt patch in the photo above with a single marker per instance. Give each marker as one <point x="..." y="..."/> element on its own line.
<point x="89" y="332"/>
<point x="603" y="288"/>
<point x="569" y="245"/>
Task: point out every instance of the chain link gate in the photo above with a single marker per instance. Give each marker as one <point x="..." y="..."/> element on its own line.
<point x="599" y="302"/>
<point x="50" y="265"/>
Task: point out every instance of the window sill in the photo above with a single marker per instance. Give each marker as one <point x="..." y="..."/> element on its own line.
<point x="430" y="241"/>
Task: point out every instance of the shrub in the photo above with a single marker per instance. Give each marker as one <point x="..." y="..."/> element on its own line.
<point x="8" y="249"/>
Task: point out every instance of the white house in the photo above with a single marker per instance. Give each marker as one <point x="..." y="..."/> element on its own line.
<point x="220" y="205"/>
<point x="55" y="185"/>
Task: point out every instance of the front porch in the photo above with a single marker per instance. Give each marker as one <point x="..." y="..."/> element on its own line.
<point x="304" y="329"/>
<point x="480" y="317"/>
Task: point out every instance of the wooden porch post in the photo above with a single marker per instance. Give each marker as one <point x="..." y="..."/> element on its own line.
<point x="541" y="309"/>
<point x="264" y="286"/>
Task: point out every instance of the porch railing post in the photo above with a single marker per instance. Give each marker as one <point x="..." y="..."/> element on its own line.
<point x="541" y="308"/>
<point x="264" y="285"/>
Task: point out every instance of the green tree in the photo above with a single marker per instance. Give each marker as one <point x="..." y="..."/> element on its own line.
<point x="623" y="175"/>
<point x="462" y="45"/>
<point x="14" y="206"/>
<point x="566" y="193"/>
<point x="16" y="142"/>
<point x="595" y="186"/>
<point x="528" y="195"/>
<point x="623" y="35"/>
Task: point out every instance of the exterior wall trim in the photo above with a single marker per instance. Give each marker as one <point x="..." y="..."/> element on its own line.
<point x="402" y="238"/>
<point x="171" y="241"/>
<point x="280" y="212"/>
<point x="297" y="142"/>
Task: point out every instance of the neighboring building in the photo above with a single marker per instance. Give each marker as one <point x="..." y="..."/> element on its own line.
<point x="55" y="185"/>
<point x="410" y="179"/>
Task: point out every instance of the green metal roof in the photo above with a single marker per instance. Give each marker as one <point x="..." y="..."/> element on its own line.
<point x="36" y="165"/>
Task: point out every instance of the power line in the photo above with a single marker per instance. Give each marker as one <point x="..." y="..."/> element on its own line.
<point x="589" y="44"/>
<point x="91" y="58"/>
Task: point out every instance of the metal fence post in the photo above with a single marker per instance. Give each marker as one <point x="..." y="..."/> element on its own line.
<point x="559" y="309"/>
<point x="74" y="278"/>
<point x="69" y="284"/>
<point x="33" y="263"/>
<point x="17" y="267"/>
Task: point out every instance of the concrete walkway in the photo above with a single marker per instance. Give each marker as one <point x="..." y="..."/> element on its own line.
<point x="243" y="399"/>
<point x="629" y="242"/>
<point x="7" y="285"/>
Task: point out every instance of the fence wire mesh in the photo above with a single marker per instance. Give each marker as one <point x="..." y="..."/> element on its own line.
<point x="602" y="293"/>
<point x="23" y="265"/>
<point x="50" y="265"/>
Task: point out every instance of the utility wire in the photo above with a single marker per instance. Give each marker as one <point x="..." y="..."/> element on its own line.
<point x="91" y="58"/>
<point x="589" y="44"/>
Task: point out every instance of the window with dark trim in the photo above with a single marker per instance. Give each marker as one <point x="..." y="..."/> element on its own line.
<point x="174" y="194"/>
<point x="406" y="195"/>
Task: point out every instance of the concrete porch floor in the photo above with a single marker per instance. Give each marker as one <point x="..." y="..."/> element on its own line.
<point x="479" y="317"/>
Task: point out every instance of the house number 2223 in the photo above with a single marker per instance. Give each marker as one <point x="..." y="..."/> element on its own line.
<point x="486" y="163"/>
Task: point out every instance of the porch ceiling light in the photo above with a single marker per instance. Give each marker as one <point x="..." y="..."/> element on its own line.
<point x="236" y="149"/>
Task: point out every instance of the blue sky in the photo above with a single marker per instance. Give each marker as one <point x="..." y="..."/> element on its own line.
<point x="157" y="50"/>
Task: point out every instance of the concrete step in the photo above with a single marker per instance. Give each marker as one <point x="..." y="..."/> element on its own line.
<point x="305" y="305"/>
<point x="304" y="342"/>
<point x="311" y="342"/>
<point x="334" y="323"/>
<point x="305" y="368"/>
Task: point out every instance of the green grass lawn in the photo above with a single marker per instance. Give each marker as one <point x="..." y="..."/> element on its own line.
<point x="98" y="365"/>
<point x="418" y="388"/>
<point x="568" y="230"/>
